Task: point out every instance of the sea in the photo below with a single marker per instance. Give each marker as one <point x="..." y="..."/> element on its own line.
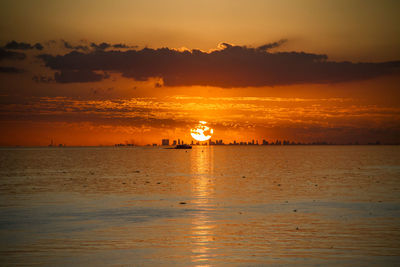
<point x="206" y="206"/>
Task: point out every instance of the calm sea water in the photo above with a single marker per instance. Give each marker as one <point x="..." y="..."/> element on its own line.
<point x="209" y="206"/>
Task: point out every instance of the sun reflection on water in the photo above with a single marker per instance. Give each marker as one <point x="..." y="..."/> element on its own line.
<point x="202" y="231"/>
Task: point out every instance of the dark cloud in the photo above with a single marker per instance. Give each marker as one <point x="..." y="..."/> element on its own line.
<point x="225" y="45"/>
<point x="232" y="66"/>
<point x="104" y="46"/>
<point x="4" y="54"/>
<point x="22" y="46"/>
<point x="42" y="79"/>
<point x="10" y="70"/>
<point x="272" y="45"/>
<point x="120" y="46"/>
<point x="78" y="76"/>
<point x="38" y="46"/>
<point x="76" y="47"/>
<point x="101" y="46"/>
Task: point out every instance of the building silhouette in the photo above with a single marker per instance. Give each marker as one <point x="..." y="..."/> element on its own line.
<point x="165" y="142"/>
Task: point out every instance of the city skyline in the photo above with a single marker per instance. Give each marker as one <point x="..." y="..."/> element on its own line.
<point x="264" y="142"/>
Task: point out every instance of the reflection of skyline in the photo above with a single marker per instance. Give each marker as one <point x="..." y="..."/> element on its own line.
<point x="203" y="194"/>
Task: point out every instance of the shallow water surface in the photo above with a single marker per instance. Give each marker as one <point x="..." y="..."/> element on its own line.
<point x="209" y="206"/>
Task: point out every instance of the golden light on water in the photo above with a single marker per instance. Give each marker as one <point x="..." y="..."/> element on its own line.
<point x="201" y="132"/>
<point x="203" y="224"/>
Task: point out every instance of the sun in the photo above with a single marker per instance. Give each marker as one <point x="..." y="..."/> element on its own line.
<point x="201" y="132"/>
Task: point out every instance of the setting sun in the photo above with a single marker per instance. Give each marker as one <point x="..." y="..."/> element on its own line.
<point x="201" y="132"/>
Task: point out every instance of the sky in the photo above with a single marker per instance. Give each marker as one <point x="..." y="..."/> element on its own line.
<point x="105" y="72"/>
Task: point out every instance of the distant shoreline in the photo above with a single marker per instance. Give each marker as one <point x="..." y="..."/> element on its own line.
<point x="225" y="145"/>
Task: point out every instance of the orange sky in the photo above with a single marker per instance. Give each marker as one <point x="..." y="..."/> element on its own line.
<point x="263" y="70"/>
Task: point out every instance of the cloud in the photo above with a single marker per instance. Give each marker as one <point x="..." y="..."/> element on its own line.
<point x="78" y="76"/>
<point x="76" y="47"/>
<point x="120" y="46"/>
<point x="42" y="79"/>
<point x="104" y="46"/>
<point x="272" y="45"/>
<point x="4" y="54"/>
<point x="340" y="122"/>
<point x="231" y="66"/>
<point x="101" y="46"/>
<point x="22" y="46"/>
<point x="11" y="70"/>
